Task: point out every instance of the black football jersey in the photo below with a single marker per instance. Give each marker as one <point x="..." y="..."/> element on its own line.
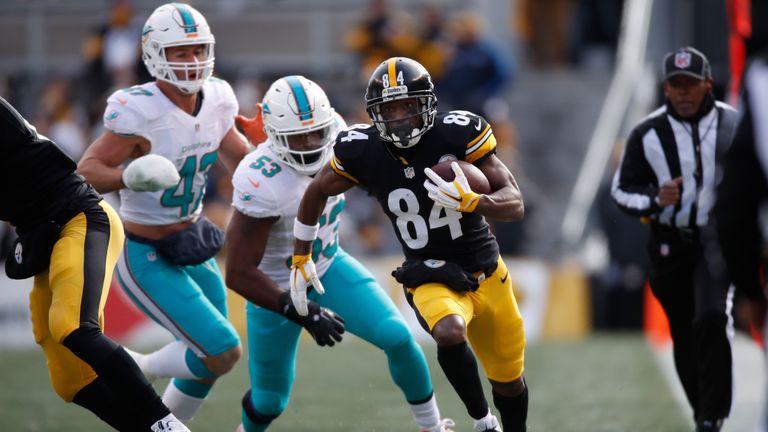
<point x="396" y="178"/>
<point x="37" y="180"/>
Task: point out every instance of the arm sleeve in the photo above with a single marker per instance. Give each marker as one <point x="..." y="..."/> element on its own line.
<point x="739" y="193"/>
<point x="251" y="200"/>
<point x="481" y="141"/>
<point x="124" y="120"/>
<point x="344" y="161"/>
<point x="634" y="186"/>
<point x="229" y="106"/>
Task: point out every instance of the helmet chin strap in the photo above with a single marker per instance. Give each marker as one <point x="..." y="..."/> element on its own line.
<point x="410" y="140"/>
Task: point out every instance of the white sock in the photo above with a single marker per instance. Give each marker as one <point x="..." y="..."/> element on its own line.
<point x="181" y="404"/>
<point x="168" y="362"/>
<point x="141" y="362"/>
<point x="426" y="414"/>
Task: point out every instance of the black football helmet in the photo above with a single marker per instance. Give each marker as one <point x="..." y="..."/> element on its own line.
<point x="396" y="79"/>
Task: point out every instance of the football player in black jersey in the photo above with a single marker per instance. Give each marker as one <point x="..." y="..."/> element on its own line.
<point x="69" y="240"/>
<point x="453" y="276"/>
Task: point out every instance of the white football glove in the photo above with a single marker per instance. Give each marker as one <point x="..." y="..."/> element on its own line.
<point x="303" y="274"/>
<point x="455" y="195"/>
<point x="150" y="173"/>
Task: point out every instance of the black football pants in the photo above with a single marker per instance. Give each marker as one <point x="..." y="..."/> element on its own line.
<point x="694" y="299"/>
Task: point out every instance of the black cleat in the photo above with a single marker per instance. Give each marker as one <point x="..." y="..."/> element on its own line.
<point x="709" y="425"/>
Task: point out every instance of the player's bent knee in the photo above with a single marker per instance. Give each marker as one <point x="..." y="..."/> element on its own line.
<point x="450" y="330"/>
<point x="224" y="362"/>
<point x="511" y="388"/>
<point x="264" y="405"/>
<point x="63" y="390"/>
<point x="392" y="333"/>
<point x="89" y="344"/>
<point x="66" y="383"/>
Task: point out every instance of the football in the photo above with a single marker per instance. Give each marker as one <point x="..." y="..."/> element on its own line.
<point x="476" y="179"/>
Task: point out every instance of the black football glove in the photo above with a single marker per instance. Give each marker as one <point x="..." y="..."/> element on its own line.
<point x="323" y="324"/>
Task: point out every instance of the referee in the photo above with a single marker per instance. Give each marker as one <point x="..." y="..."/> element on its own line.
<point x="667" y="176"/>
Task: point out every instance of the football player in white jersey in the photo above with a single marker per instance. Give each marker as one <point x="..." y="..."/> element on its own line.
<point x="170" y="132"/>
<point x="301" y="127"/>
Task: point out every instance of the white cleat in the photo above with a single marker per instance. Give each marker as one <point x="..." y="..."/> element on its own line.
<point x="488" y="423"/>
<point x="169" y="423"/>
<point x="445" y="425"/>
<point x="141" y="361"/>
<point x="240" y="428"/>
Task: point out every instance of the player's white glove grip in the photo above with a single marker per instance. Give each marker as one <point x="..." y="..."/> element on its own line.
<point x="303" y="274"/>
<point x="150" y="173"/>
<point x="455" y="195"/>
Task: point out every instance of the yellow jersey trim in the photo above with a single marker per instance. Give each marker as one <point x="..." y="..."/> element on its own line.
<point x="481" y="145"/>
<point x="339" y="169"/>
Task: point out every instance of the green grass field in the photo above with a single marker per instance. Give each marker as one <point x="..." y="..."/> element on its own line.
<point x="606" y="383"/>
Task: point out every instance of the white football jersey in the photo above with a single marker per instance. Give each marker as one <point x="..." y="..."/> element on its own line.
<point x="190" y="142"/>
<point x="264" y="186"/>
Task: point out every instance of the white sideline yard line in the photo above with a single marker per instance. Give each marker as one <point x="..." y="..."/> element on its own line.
<point x="749" y="379"/>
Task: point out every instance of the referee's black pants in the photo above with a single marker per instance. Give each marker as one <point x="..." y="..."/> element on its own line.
<point x="694" y="300"/>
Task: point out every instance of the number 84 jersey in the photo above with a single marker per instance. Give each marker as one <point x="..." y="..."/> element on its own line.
<point x="396" y="178"/>
<point x="190" y="142"/>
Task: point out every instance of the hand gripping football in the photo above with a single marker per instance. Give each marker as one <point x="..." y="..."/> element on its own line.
<point x="477" y="180"/>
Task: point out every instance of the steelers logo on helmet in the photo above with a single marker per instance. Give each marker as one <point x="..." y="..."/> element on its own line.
<point x="401" y="102"/>
<point x="173" y="25"/>
<point x="300" y="122"/>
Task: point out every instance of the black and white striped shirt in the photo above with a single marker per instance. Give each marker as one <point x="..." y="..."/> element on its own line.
<point x="663" y="147"/>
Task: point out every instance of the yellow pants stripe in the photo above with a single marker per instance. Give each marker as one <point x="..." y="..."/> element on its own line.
<point x="75" y="289"/>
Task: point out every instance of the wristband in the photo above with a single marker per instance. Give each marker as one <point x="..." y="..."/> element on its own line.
<point x="287" y="309"/>
<point x="305" y="232"/>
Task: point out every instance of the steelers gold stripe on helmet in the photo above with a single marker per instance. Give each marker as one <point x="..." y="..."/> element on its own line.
<point x="339" y="169"/>
<point x="391" y="72"/>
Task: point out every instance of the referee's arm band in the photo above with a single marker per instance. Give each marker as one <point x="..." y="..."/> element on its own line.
<point x="305" y="232"/>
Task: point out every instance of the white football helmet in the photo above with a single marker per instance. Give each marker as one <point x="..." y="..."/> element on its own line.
<point x="300" y="123"/>
<point x="177" y="24"/>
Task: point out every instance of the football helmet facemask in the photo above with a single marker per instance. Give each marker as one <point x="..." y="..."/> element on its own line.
<point x="177" y="24"/>
<point x="400" y="79"/>
<point x="300" y="123"/>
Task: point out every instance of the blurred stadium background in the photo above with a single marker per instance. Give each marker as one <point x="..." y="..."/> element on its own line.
<point x="563" y="82"/>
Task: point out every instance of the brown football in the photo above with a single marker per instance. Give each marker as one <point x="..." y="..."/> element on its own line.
<point x="477" y="180"/>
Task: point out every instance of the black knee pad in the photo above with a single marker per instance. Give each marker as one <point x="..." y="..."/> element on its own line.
<point x="253" y="415"/>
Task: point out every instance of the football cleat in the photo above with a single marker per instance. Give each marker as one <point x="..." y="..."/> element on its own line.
<point x="141" y="361"/>
<point x="240" y="428"/>
<point x="488" y="423"/>
<point x="169" y="423"/>
<point x="445" y="425"/>
<point x="709" y="425"/>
